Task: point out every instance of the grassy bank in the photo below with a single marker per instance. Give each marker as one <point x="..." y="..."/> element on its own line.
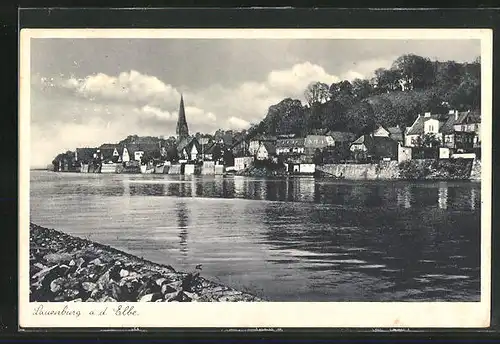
<point x="67" y="268"/>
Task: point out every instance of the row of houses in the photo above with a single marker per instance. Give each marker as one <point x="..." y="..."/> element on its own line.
<point x="453" y="133"/>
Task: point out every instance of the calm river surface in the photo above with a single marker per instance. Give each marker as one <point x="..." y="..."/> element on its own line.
<point x="295" y="239"/>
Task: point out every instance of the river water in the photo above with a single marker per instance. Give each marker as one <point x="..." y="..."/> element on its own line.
<point x="289" y="239"/>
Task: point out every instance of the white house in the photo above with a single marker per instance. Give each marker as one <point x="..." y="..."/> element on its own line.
<point x="125" y="155"/>
<point x="240" y="163"/>
<point x="266" y="151"/>
<point x="193" y="153"/>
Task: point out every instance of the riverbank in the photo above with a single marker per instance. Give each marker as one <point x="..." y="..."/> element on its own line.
<point x="68" y="268"/>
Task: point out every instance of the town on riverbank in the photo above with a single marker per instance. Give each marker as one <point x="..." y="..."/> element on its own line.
<point x="420" y="119"/>
<point x="435" y="146"/>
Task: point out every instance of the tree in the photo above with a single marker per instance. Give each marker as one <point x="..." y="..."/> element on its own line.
<point x="429" y="140"/>
<point x="172" y="154"/>
<point x="318" y="156"/>
<point x="416" y="72"/>
<point x="316" y="93"/>
<point x="360" y="118"/>
<point x="361" y="88"/>
<point x="386" y="80"/>
<point x="448" y="74"/>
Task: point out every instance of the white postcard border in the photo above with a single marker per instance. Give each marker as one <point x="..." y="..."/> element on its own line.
<point x="261" y="314"/>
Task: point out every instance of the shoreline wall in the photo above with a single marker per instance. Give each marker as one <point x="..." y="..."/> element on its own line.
<point x="383" y="170"/>
<point x="417" y="169"/>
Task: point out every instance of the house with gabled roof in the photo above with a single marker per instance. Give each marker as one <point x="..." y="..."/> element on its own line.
<point x="109" y="152"/>
<point x="341" y="138"/>
<point x="374" y="147"/>
<point x="313" y="142"/>
<point x="456" y="130"/>
<point x="266" y="151"/>
<point x="189" y="149"/>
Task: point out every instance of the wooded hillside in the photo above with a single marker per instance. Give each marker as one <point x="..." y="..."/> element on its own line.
<point x="394" y="96"/>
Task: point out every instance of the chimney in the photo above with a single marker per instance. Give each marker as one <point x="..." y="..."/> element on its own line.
<point x="456" y="115"/>
<point x="427" y="114"/>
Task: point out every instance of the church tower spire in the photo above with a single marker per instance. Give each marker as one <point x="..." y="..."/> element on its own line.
<point x="182" y="130"/>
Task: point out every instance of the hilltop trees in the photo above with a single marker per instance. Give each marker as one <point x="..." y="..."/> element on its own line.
<point x="317" y="93"/>
<point x="394" y="96"/>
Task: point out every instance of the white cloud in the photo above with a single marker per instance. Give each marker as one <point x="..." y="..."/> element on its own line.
<point x="237" y="123"/>
<point x="127" y="86"/>
<point x="156" y="112"/>
<point x="298" y="77"/>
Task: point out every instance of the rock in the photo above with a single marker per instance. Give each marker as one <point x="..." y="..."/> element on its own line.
<point x="149" y="287"/>
<point x="89" y="286"/>
<point x="56" y="285"/>
<point x="103" y="281"/>
<point x="76" y="300"/>
<point x="58" y="258"/>
<point x="41" y="274"/>
<point x="40" y="266"/>
<point x="72" y="262"/>
<point x="67" y="295"/>
<point x="96" y="261"/>
<point x="79" y="262"/>
<point x="192" y="296"/>
<point x="124" y="273"/>
<point x="171" y="296"/>
<point x="167" y="289"/>
<point x="116" y="292"/>
<point x="146" y="298"/>
<point x="160" y="281"/>
<point x="177" y="285"/>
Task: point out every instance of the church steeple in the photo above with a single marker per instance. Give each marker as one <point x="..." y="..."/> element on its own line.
<point x="182" y="130"/>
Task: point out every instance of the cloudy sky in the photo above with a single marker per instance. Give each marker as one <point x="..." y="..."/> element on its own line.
<point x="85" y="92"/>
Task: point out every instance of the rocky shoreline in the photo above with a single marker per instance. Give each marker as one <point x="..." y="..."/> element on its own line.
<point x="66" y="268"/>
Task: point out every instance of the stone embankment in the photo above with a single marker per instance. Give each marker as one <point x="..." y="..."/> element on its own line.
<point x="254" y="171"/>
<point x="67" y="268"/>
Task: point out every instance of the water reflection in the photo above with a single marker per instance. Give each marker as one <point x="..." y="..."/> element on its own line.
<point x="443" y="197"/>
<point x="297" y="239"/>
<point x="183" y="224"/>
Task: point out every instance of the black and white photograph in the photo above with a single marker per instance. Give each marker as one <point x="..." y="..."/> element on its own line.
<point x="213" y="166"/>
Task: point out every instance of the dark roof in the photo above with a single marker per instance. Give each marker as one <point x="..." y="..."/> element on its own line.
<point x="341" y="136"/>
<point x="462" y="118"/>
<point x="395" y="133"/>
<point x="144" y="147"/>
<point x="264" y="138"/>
<point x="285" y="143"/>
<point x="85" y="154"/>
<point x="108" y="146"/>
<point x="379" y="146"/>
<point x="271" y="149"/>
<point x="210" y="147"/>
<point x="183" y="143"/>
